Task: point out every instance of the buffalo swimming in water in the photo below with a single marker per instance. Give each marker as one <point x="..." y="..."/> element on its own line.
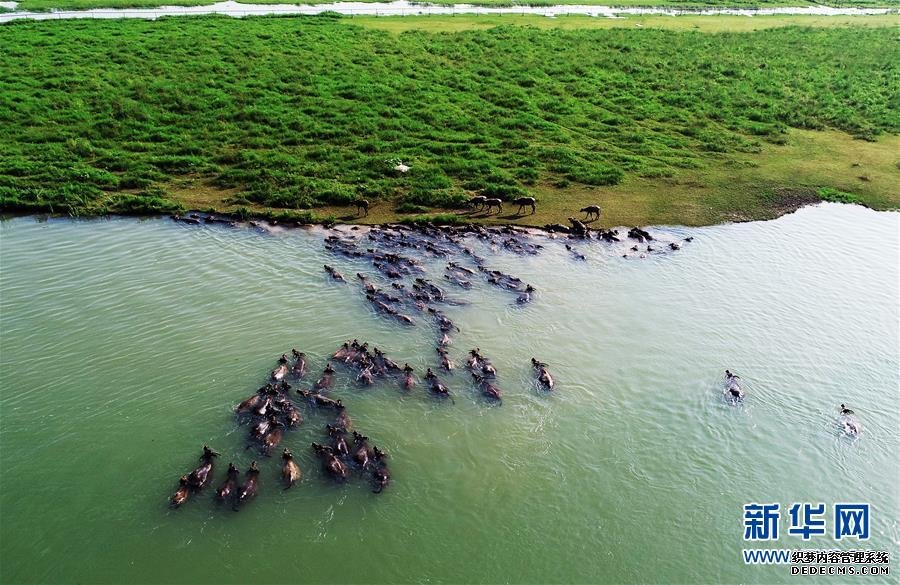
<point x="436" y="386"/>
<point x="365" y="377"/>
<point x="273" y="438"/>
<point x="338" y="441"/>
<point x="848" y="423"/>
<point x="342" y="421"/>
<point x="253" y="402"/>
<point x="381" y="475"/>
<point x="292" y="415"/>
<point x="298" y="369"/>
<point x="334" y="273"/>
<point x="200" y="477"/>
<point x="327" y="379"/>
<point x="281" y="371"/>
<point x="248" y="488"/>
<point x="543" y="374"/>
<point x="733" y="390"/>
<point x="408" y="380"/>
<point x="262" y="428"/>
<point x="227" y="488"/>
<point x="487" y="389"/>
<point x="290" y="471"/>
<point x="182" y="494"/>
<point x="321" y="401"/>
<point x="361" y="452"/>
<point x="446" y="363"/>
<point x="336" y="468"/>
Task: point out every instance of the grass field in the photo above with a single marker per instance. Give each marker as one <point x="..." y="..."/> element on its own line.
<point x="287" y="115"/>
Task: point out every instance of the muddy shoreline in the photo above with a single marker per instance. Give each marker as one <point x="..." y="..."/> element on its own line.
<point x="783" y="206"/>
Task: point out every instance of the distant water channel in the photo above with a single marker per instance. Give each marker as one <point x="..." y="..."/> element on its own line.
<point x="126" y="343"/>
<point x="405" y="8"/>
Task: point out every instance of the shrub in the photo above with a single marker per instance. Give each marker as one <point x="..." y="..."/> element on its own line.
<point x="835" y="196"/>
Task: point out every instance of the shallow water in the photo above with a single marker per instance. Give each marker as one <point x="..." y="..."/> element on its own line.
<point x="405" y="8"/>
<point x="126" y="343"/>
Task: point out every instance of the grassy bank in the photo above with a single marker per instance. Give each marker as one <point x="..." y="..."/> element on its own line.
<point x="285" y="115"/>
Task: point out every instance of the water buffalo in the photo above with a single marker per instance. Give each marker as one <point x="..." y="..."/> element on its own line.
<point x="201" y="476"/>
<point x="446" y="363"/>
<point x="381" y="476"/>
<point x="293" y="416"/>
<point x="477" y="200"/>
<point x="361" y="452"/>
<point x="336" y="468"/>
<point x="435" y="385"/>
<point x="578" y="227"/>
<point x="290" y="471"/>
<point x="321" y="401"/>
<point x="273" y="438"/>
<point x="733" y="390"/>
<point x="338" y="441"/>
<point x="493" y="202"/>
<point x="281" y="371"/>
<point x="342" y="421"/>
<point x="543" y="374"/>
<point x="408" y="380"/>
<point x="327" y="379"/>
<point x="299" y="366"/>
<point x="524" y="202"/>
<point x="247" y="489"/>
<point x="638" y="234"/>
<point x="227" y="488"/>
<point x="365" y="377"/>
<point x="251" y="403"/>
<point x="261" y="429"/>
<point x="848" y="423"/>
<point x="182" y="494"/>
<point x="487" y="389"/>
<point x="591" y="210"/>
<point x="334" y="273"/>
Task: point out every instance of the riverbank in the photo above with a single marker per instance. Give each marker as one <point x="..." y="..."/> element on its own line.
<point x="657" y="127"/>
<point x="811" y="167"/>
<point x="153" y="9"/>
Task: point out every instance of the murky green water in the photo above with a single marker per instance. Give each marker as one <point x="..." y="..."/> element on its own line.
<point x="125" y="345"/>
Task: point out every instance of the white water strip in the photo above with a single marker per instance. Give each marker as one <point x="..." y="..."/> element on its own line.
<point x="404" y="8"/>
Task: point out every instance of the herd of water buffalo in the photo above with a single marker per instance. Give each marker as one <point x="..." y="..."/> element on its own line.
<point x="400" y="290"/>
<point x="271" y="410"/>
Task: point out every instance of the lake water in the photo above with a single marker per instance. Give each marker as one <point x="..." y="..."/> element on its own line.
<point x="126" y="343"/>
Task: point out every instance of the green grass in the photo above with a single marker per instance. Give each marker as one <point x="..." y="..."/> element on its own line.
<point x="285" y="115"/>
<point x="835" y="196"/>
